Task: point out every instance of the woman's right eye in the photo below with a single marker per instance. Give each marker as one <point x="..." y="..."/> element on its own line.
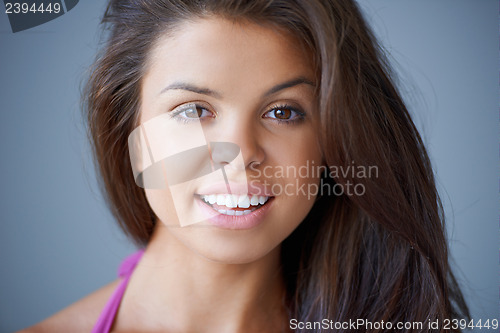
<point x="191" y="112"/>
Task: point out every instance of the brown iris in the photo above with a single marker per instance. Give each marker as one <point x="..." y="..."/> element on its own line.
<point x="282" y="113"/>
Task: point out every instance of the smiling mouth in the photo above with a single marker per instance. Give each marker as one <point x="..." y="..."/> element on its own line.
<point x="233" y="204"/>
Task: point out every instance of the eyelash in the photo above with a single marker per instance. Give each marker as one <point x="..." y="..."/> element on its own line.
<point x="299" y="115"/>
<point x="183" y="108"/>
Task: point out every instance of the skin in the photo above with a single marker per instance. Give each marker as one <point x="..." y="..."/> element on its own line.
<point x="202" y="278"/>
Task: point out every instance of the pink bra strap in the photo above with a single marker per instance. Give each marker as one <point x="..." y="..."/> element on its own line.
<point x="105" y="321"/>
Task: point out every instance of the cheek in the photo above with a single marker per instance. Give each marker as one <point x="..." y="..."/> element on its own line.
<point x="162" y="204"/>
<point x="295" y="181"/>
<point x="297" y="169"/>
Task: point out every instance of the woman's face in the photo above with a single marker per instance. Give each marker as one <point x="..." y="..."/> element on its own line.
<point x="231" y="105"/>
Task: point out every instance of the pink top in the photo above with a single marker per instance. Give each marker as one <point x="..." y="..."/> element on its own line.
<point x="105" y="321"/>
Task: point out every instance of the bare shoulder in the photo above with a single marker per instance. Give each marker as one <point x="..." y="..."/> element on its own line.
<point x="79" y="316"/>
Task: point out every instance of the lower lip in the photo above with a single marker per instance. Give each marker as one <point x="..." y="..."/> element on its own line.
<point x="241" y="222"/>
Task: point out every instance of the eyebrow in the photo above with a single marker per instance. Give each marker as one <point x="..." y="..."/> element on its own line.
<point x="191" y="87"/>
<point x="205" y="91"/>
<point x="289" y="84"/>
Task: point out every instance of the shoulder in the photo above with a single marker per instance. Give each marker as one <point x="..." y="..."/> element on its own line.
<point x="79" y="316"/>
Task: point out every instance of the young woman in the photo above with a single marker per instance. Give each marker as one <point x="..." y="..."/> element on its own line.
<point x="260" y="153"/>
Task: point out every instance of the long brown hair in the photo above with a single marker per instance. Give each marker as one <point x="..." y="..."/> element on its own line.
<point x="377" y="256"/>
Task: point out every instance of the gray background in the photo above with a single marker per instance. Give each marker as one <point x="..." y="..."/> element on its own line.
<point x="57" y="240"/>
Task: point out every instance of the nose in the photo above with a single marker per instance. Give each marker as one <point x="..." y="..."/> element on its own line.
<point x="236" y="131"/>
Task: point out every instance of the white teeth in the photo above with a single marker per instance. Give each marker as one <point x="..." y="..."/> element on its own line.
<point x="232" y="212"/>
<point x="243" y="201"/>
<point x="233" y="201"/>
<point x="221" y="199"/>
<point x="254" y="201"/>
<point x="212" y="198"/>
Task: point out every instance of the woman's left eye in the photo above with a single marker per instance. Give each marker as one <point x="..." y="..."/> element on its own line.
<point x="284" y="114"/>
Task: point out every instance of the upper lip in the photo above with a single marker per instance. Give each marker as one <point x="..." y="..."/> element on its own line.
<point x="252" y="188"/>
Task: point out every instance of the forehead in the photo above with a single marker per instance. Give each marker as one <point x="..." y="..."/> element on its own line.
<point x="226" y="56"/>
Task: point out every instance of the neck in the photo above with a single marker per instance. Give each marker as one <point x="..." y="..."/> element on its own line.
<point x="176" y="289"/>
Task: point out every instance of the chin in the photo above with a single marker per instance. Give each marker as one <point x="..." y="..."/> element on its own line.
<point x="236" y="258"/>
<point x="228" y="246"/>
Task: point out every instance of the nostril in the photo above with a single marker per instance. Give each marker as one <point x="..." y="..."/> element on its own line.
<point x="253" y="164"/>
